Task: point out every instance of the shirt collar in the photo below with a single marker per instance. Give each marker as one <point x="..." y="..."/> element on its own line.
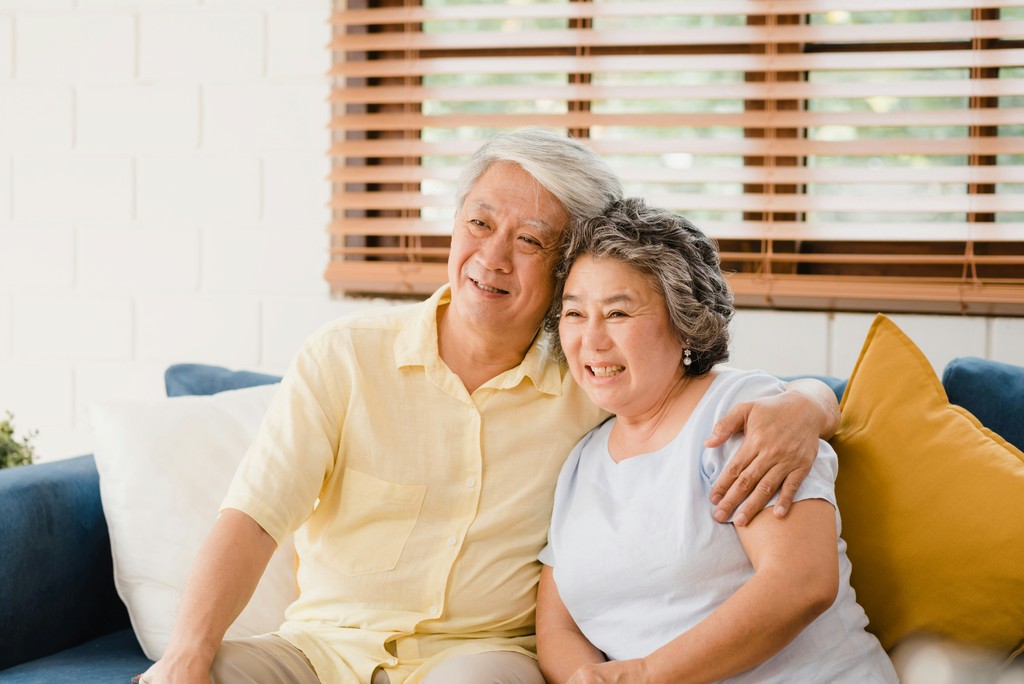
<point x="416" y="345"/>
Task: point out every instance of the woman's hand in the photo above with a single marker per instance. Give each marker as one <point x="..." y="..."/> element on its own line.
<point x="779" y="445"/>
<point x="612" y="672"/>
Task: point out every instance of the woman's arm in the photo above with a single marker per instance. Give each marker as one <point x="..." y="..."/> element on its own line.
<point x="796" y="578"/>
<point x="779" y="445"/>
<point x="561" y="646"/>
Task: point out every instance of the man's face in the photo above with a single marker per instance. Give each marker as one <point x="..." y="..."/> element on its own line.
<point x="504" y="247"/>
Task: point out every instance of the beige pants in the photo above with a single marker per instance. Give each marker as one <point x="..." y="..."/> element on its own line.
<point x="269" y="659"/>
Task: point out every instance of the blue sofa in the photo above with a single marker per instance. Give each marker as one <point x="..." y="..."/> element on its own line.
<point x="60" y="617"/>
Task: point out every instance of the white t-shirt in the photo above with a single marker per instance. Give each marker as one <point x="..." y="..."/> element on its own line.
<point x="638" y="559"/>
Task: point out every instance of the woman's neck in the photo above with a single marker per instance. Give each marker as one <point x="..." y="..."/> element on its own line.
<point x="652" y="429"/>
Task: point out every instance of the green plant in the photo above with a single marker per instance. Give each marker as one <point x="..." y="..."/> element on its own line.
<point x="12" y="451"/>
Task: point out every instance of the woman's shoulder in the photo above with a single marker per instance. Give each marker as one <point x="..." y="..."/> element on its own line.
<point x="735" y="385"/>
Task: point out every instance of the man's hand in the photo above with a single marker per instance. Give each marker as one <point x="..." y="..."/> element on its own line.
<point x="779" y="445"/>
<point x="612" y="672"/>
<point x="164" y="671"/>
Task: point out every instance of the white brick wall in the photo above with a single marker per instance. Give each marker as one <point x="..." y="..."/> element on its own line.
<point x="199" y="190"/>
<point x="74" y="47"/>
<point x="5" y="188"/>
<point x="137" y="118"/>
<point x="36" y="118"/>
<point x="5" y="325"/>
<point x="73" y="188"/>
<point x="163" y="199"/>
<point x="198" y="47"/>
<point x="150" y="259"/>
<point x="37" y="259"/>
<point x="6" y="46"/>
<point x="162" y="185"/>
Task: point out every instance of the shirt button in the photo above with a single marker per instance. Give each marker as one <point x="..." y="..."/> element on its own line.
<point x="434" y="610"/>
<point x="470" y="482"/>
<point x="451" y="541"/>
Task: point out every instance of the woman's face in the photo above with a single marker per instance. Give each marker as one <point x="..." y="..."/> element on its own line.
<point x="617" y="338"/>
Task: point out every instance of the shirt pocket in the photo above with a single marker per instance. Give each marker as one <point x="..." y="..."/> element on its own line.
<point x="375" y="520"/>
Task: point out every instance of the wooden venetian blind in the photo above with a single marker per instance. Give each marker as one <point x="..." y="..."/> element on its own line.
<point x="846" y="155"/>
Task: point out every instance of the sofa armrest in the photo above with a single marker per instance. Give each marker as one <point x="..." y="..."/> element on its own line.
<point x="56" y="577"/>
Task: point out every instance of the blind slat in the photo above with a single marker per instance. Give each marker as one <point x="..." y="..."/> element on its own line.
<point x="693" y="36"/>
<point x="752" y="119"/>
<point x="582" y="10"/>
<point x="863" y="294"/>
<point x="745" y="202"/>
<point x="675" y="63"/>
<point x="768" y="147"/>
<point x="741" y="174"/>
<point x="387" y="277"/>
<point x="747" y="230"/>
<point x="766" y="90"/>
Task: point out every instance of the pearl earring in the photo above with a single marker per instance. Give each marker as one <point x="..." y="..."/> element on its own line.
<point x="686" y="357"/>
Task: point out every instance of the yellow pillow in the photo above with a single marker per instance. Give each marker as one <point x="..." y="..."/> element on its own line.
<point x="932" y="503"/>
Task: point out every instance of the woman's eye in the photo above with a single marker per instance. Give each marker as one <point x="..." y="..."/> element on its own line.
<point x="570" y="314"/>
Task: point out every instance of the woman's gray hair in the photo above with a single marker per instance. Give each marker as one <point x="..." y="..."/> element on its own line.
<point x="577" y="176"/>
<point x="677" y="259"/>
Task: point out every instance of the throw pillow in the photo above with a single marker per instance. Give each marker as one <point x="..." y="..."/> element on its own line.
<point x="165" y="466"/>
<point x="184" y="379"/>
<point x="932" y="504"/>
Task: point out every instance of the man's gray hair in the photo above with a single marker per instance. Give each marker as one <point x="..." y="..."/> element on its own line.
<point x="677" y="259"/>
<point x="577" y="176"/>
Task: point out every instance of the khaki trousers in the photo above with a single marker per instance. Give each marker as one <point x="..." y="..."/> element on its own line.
<point x="270" y="659"/>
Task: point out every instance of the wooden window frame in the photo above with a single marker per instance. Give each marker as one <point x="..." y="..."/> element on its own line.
<point x="390" y="236"/>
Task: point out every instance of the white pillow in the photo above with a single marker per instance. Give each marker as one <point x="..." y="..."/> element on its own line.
<point x="165" y="466"/>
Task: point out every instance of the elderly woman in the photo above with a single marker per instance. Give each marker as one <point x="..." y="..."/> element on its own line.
<point x="640" y="583"/>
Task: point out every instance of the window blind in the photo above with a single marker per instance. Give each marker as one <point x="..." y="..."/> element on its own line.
<point x="848" y="156"/>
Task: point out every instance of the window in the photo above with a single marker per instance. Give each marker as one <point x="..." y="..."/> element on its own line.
<point x="854" y="156"/>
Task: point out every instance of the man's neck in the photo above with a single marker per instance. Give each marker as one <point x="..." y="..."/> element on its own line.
<point x="476" y="355"/>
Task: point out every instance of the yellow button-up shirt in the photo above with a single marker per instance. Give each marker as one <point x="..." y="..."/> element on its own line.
<point x="419" y="509"/>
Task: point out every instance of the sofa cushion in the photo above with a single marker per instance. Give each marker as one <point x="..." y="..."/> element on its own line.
<point x="992" y="391"/>
<point x="183" y="379"/>
<point x="931" y="503"/>
<point x="56" y="589"/>
<point x="115" y="657"/>
<point x="165" y="465"/>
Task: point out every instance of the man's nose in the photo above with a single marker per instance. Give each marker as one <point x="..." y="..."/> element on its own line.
<point x="496" y="253"/>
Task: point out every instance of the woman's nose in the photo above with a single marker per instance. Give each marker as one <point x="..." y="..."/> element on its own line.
<point x="595" y="336"/>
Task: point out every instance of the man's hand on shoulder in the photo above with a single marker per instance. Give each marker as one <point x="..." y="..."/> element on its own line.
<point x="779" y="445"/>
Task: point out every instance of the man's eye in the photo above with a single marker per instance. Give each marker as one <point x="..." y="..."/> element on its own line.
<point x="617" y="314"/>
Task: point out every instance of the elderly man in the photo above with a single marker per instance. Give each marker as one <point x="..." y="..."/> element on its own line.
<point x="414" y="453"/>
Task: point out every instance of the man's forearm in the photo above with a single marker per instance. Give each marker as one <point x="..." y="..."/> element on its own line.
<point x="823" y="398"/>
<point x="221" y="581"/>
